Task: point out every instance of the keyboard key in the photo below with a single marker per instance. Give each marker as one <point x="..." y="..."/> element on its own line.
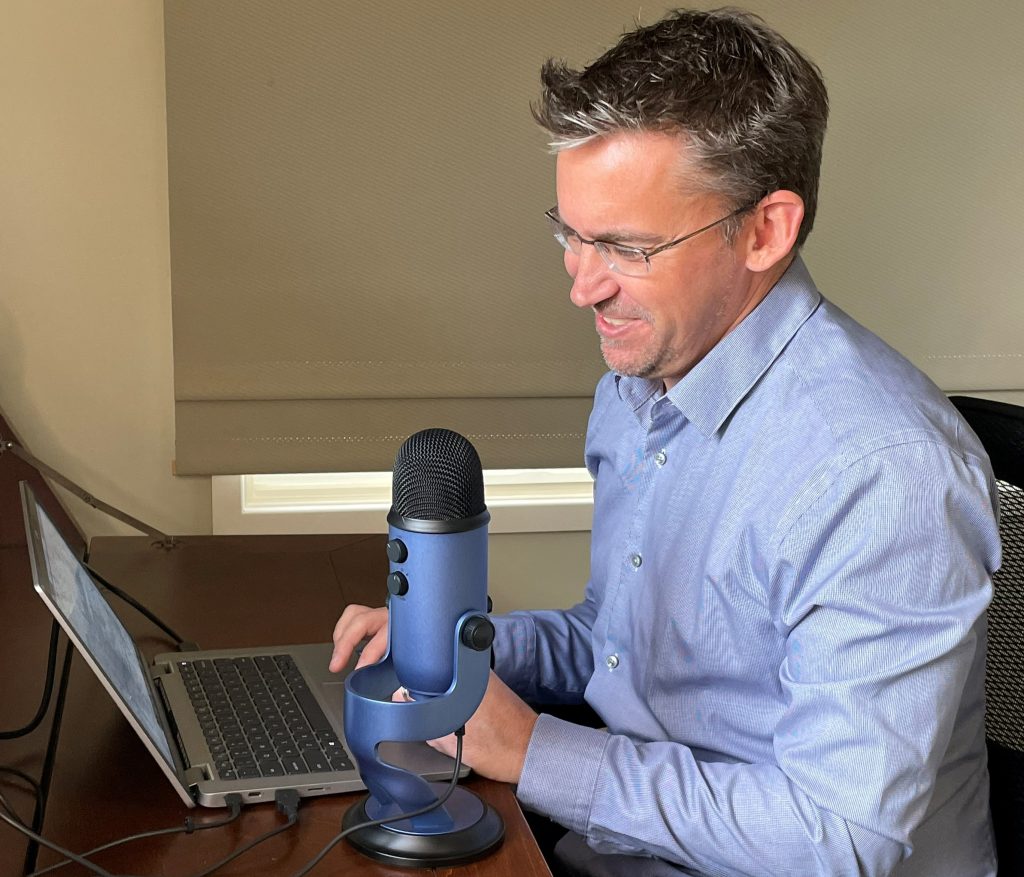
<point x="340" y="762"/>
<point x="317" y="763"/>
<point x="271" y="769"/>
<point x="314" y="715"/>
<point x="295" y="764"/>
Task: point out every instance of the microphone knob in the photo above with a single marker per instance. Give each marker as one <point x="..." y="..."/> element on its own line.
<point x="478" y="633"/>
<point x="398" y="584"/>
<point x="397" y="552"/>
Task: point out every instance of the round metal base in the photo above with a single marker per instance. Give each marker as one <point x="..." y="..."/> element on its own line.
<point x="404" y="849"/>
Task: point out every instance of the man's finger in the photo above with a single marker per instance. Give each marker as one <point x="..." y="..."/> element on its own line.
<point x="374" y="650"/>
<point x="355" y="624"/>
<point x="447" y="745"/>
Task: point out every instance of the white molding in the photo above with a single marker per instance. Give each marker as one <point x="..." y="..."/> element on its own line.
<point x="520" y="501"/>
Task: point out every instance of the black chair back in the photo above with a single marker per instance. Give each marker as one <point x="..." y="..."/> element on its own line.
<point x="1000" y="427"/>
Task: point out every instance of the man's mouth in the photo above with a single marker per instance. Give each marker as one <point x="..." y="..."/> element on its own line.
<point x="612" y="327"/>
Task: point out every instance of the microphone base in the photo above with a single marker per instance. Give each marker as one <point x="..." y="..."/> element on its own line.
<point x="478" y="830"/>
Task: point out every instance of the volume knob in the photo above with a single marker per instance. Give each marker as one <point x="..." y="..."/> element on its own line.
<point x="398" y="584"/>
<point x="478" y="633"/>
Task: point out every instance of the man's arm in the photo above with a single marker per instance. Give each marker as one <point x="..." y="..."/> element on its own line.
<point x="881" y="583"/>
<point x="546" y="656"/>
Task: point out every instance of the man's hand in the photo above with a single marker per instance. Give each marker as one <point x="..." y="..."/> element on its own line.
<point x="496" y="736"/>
<point x="356" y="624"/>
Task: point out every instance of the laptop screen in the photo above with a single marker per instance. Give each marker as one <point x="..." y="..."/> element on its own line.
<point x="68" y="589"/>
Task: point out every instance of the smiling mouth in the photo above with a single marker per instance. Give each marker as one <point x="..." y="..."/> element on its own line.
<point x="617" y="320"/>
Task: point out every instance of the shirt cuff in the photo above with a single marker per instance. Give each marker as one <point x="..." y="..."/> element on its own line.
<point x="560" y="771"/>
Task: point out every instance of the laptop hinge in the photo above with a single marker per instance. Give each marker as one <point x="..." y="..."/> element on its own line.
<point x="194" y="776"/>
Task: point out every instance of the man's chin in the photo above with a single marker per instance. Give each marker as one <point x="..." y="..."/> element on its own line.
<point x="626" y="367"/>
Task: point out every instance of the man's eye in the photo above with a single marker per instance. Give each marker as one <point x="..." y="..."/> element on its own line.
<point x="625" y="254"/>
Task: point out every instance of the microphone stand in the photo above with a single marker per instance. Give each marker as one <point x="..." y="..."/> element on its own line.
<point x="464" y="828"/>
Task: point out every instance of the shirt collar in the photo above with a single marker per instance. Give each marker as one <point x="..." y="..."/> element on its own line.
<point x="716" y="385"/>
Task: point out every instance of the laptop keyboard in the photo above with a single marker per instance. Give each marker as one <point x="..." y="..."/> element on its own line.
<point x="260" y="719"/>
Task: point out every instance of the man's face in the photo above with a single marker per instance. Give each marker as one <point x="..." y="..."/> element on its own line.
<point x="626" y="189"/>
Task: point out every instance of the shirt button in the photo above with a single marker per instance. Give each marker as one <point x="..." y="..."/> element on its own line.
<point x="612" y="661"/>
<point x="661" y="458"/>
<point x="636" y="560"/>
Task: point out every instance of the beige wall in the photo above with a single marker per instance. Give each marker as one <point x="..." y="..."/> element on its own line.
<point x="85" y="331"/>
<point x="85" y="315"/>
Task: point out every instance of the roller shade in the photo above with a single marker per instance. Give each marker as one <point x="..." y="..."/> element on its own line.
<point x="358" y="248"/>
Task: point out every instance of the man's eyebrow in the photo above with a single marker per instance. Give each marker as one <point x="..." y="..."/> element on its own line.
<point x="628" y="236"/>
<point x="625" y="235"/>
<point x="621" y="235"/>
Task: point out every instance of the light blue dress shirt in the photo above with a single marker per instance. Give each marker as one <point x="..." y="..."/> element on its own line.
<point x="784" y="628"/>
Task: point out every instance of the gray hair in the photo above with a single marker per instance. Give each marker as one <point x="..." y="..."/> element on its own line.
<point x="751" y="108"/>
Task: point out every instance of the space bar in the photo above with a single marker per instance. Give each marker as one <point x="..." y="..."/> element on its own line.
<point x="308" y="704"/>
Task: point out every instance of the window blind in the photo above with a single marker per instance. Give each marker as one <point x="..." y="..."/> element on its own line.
<point x="357" y="243"/>
<point x="357" y="248"/>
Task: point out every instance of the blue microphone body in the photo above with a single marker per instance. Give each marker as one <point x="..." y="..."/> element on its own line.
<point x="446" y="576"/>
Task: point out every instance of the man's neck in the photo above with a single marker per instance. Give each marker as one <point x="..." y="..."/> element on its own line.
<point x="761" y="284"/>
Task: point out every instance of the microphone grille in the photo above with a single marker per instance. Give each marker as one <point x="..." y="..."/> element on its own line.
<point x="437" y="477"/>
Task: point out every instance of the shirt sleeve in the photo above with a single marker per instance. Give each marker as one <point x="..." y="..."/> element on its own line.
<point x="879" y="582"/>
<point x="546" y="656"/>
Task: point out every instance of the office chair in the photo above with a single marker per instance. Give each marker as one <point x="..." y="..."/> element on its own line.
<point x="1001" y="429"/>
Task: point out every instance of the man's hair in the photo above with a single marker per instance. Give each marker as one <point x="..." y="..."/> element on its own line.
<point x="752" y="108"/>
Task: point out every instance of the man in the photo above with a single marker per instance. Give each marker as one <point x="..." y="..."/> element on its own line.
<point x="794" y="534"/>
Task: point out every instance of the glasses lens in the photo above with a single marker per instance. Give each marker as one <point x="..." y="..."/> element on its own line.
<point x="624" y="260"/>
<point x="564" y="235"/>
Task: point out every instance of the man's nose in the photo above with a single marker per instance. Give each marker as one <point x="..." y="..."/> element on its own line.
<point x="592" y="280"/>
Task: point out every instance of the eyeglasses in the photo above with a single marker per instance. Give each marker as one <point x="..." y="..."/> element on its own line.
<point x="631" y="261"/>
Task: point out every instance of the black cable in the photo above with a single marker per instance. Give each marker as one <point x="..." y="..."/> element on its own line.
<point x="44" y="704"/>
<point x="234" y="801"/>
<point x="373" y="823"/>
<point x="135" y="604"/>
<point x="36" y="797"/>
<point x="39" y="839"/>
<point x="50" y="758"/>
<point x="24" y="777"/>
<point x="287" y="803"/>
<point x="9" y="807"/>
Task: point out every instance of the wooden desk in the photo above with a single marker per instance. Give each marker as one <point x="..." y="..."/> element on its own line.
<point x="221" y="592"/>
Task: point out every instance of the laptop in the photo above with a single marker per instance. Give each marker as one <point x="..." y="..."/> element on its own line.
<point x="245" y="721"/>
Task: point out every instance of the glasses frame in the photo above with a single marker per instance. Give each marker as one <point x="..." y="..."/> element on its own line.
<point x="559" y="230"/>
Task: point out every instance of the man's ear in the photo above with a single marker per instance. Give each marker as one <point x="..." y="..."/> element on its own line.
<point x="773" y="232"/>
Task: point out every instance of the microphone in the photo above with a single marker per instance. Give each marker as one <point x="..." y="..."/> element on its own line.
<point x="439" y="643"/>
<point x="438" y="551"/>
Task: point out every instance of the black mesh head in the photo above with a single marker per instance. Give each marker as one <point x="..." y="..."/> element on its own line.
<point x="437" y="477"/>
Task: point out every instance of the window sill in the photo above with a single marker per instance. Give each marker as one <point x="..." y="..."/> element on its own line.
<point x="520" y="501"/>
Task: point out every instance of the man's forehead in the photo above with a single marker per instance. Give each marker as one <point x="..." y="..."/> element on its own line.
<point x="613" y="185"/>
